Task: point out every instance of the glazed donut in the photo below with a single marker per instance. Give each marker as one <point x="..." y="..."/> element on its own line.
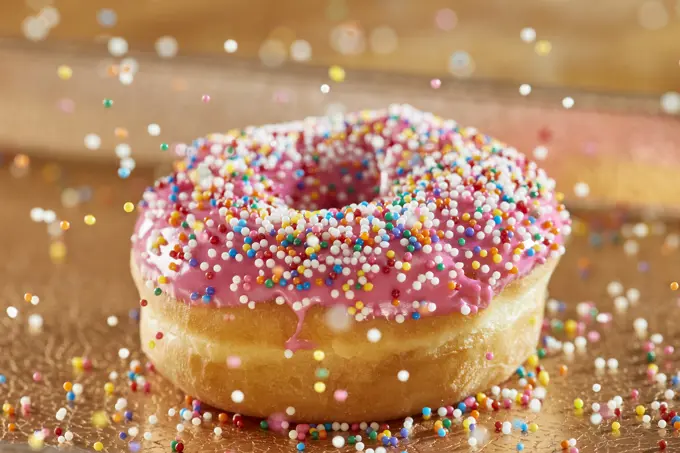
<point x="351" y="268"/>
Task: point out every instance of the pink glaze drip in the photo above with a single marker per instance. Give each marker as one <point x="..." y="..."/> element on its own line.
<point x="319" y="170"/>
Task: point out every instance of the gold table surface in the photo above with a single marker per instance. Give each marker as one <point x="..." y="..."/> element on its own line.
<point x="79" y="292"/>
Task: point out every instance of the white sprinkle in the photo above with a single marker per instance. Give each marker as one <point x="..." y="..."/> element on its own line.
<point x="154" y="130"/>
<point x="92" y="141"/>
<point x="237" y="396"/>
<point x="581" y="189"/>
<point x="112" y="321"/>
<point x="527" y="34"/>
<point x="230" y="46"/>
<point x="123" y="353"/>
<point x="403" y="375"/>
<point x="374" y="335"/>
<point x="338" y="441"/>
<point x="35" y="321"/>
<point x="61" y="414"/>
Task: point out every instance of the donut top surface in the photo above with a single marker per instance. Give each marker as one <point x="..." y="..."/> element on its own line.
<point x="394" y="213"/>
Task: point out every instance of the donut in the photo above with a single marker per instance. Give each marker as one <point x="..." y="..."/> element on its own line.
<point x="354" y="268"/>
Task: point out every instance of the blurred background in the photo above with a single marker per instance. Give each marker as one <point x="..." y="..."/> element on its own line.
<point x="589" y="88"/>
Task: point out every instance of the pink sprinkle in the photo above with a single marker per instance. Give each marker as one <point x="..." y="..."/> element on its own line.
<point x="648" y="346"/>
<point x="668" y="350"/>
<point x="37" y="377"/>
<point x="340" y="395"/>
<point x="435" y="83"/>
<point x="635" y="394"/>
<point x="233" y="361"/>
<point x="66" y="105"/>
<point x="489" y="356"/>
<point x="593" y="336"/>
<point x="573" y="450"/>
<point x="205" y="98"/>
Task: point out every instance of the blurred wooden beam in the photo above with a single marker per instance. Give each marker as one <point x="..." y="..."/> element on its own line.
<point x="595" y="45"/>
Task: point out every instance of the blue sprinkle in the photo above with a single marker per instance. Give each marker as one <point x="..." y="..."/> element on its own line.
<point x="70" y="396"/>
<point x="3" y="379"/>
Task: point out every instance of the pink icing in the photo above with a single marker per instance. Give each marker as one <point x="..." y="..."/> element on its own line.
<point x="393" y="213"/>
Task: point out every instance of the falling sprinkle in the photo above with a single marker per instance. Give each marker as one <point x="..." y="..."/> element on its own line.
<point x="154" y="130"/>
<point x="336" y="74"/>
<point x="581" y="189"/>
<point x="166" y="47"/>
<point x="543" y="48"/>
<point x="237" y="396"/>
<point x="92" y="141"/>
<point x="117" y="46"/>
<point x="230" y="46"/>
<point x="528" y="35"/>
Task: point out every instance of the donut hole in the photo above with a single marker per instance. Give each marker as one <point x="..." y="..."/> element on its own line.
<point x="327" y="185"/>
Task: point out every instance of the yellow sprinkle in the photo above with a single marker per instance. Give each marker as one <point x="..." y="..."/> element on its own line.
<point x="368" y="287"/>
<point x="475" y="265"/>
<point x="108" y="388"/>
<point x="77" y="363"/>
<point x="128" y="207"/>
<point x="616" y="426"/>
<point x="578" y="403"/>
<point x="100" y="419"/>
<point x="543" y="47"/>
<point x="98" y="446"/>
<point x="319" y="355"/>
<point x="152" y="344"/>
<point x="406" y="267"/>
<point x="570" y="326"/>
<point x="497" y="258"/>
<point x="640" y="410"/>
<point x="533" y="427"/>
<point x="336" y="73"/>
<point x="544" y="378"/>
<point x="64" y="72"/>
<point x="532" y="361"/>
<point x="57" y="251"/>
<point x="90" y="220"/>
<point x="36" y="442"/>
<point x="319" y="387"/>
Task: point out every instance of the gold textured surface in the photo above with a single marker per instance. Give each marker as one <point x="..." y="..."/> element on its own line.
<point x="92" y="283"/>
